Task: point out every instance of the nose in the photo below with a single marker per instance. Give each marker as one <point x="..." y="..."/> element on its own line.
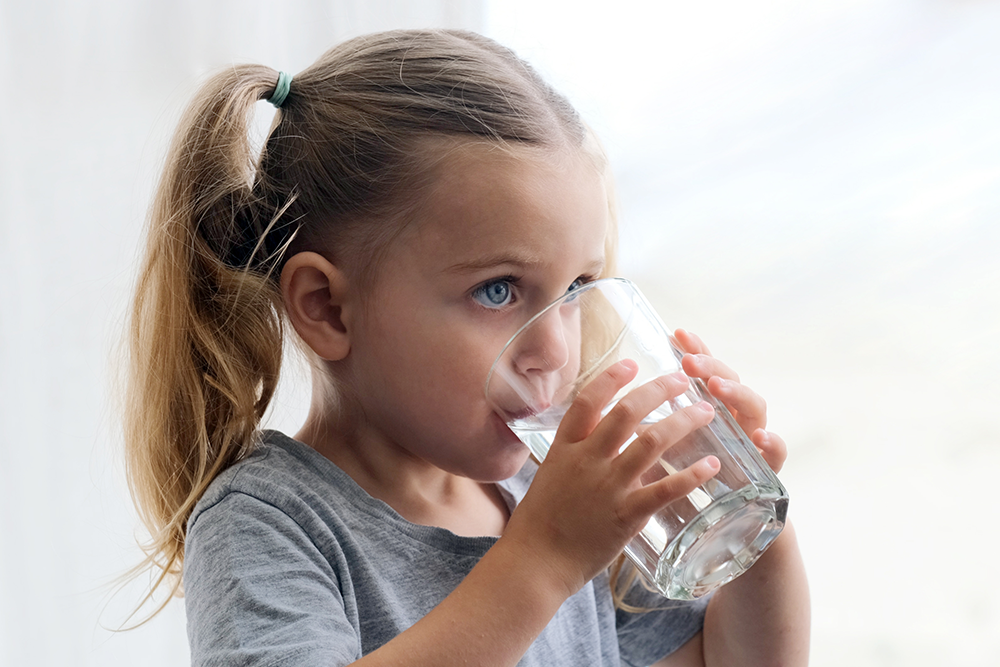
<point x="539" y="364"/>
<point x="544" y="346"/>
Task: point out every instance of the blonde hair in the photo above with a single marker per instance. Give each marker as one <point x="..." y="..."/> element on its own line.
<point x="207" y="329"/>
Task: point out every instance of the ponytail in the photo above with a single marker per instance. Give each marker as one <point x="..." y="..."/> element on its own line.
<point x="205" y="336"/>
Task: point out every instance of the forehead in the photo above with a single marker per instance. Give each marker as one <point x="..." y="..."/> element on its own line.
<point x="485" y="204"/>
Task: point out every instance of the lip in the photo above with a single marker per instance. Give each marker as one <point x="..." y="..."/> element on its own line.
<point x="503" y="428"/>
<point x="524" y="413"/>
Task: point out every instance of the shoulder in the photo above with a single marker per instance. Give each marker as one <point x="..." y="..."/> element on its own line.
<point x="283" y="506"/>
<point x="281" y="473"/>
<point x="265" y="577"/>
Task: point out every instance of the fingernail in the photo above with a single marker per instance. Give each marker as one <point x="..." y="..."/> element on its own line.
<point x="706" y="406"/>
<point x="711" y="463"/>
<point x="679" y="375"/>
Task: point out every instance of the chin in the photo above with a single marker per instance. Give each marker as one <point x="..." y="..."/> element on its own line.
<point x="502" y="467"/>
<point x="507" y="457"/>
<point x="516" y="460"/>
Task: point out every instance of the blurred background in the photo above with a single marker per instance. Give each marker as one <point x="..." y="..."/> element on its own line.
<point x="813" y="187"/>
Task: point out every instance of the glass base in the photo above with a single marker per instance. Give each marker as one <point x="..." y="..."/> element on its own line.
<point x="720" y="544"/>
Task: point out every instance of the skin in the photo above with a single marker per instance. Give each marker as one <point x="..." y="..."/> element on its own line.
<point x="399" y="405"/>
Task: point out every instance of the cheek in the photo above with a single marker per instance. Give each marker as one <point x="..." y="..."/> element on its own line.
<point x="456" y="373"/>
<point x="437" y="368"/>
<point x="432" y="356"/>
<point x="456" y="346"/>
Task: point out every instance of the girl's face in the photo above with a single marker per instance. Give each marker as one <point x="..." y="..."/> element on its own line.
<point x="498" y="236"/>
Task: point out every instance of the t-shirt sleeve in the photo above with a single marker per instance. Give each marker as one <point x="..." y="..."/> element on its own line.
<point x="647" y="636"/>
<point x="258" y="591"/>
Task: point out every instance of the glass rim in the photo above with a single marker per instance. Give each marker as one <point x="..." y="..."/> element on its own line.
<point x="586" y="287"/>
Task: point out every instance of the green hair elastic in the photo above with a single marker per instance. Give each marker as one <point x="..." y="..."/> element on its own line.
<point x="277" y="98"/>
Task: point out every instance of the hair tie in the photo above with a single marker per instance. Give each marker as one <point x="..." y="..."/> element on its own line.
<point x="277" y="98"/>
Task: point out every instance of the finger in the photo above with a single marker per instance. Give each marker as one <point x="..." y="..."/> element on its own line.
<point x="748" y="406"/>
<point x="623" y="419"/>
<point x="584" y="413"/>
<point x="653" y="497"/>
<point x="705" y="366"/>
<point x="647" y="449"/>
<point x="690" y="343"/>
<point x="772" y="448"/>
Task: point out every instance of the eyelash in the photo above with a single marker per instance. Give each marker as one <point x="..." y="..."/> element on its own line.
<point x="481" y="290"/>
<point x="512" y="282"/>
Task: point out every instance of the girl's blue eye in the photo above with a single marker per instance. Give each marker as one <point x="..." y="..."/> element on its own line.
<point x="575" y="285"/>
<point x="496" y="294"/>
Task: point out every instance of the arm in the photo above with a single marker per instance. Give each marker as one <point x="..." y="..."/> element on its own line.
<point x="762" y="617"/>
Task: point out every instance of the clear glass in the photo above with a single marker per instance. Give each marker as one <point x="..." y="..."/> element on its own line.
<point x="699" y="542"/>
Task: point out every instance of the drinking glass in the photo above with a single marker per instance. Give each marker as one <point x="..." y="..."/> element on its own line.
<point x="698" y="542"/>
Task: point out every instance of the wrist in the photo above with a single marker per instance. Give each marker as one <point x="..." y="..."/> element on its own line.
<point x="544" y="571"/>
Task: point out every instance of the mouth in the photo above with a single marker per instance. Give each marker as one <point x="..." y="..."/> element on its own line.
<point x="523" y="413"/>
<point x="523" y="405"/>
<point x="502" y="426"/>
<point x="535" y="414"/>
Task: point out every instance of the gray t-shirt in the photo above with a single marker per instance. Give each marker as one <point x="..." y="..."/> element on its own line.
<point x="289" y="562"/>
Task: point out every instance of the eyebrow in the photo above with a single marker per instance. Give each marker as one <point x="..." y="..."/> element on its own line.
<point x="501" y="259"/>
<point x="490" y="261"/>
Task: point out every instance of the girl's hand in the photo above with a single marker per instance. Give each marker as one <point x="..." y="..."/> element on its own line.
<point x="747" y="406"/>
<point x="587" y="501"/>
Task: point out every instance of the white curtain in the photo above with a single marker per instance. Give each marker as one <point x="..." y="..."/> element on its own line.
<point x="89" y="94"/>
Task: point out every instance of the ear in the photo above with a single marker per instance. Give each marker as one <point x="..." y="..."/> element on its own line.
<point x="316" y="297"/>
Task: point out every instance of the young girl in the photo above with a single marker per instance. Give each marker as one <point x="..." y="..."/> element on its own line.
<point x="420" y="196"/>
